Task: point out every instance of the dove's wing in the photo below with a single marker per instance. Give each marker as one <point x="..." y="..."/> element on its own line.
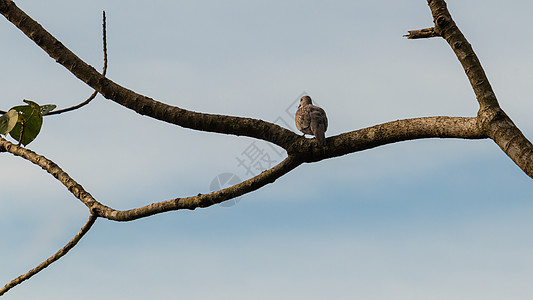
<point x="311" y="119"/>
<point x="303" y="120"/>
<point x="318" y="126"/>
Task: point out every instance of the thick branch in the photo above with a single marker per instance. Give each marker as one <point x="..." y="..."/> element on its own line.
<point x="391" y="132"/>
<point x="494" y="121"/>
<point x="143" y="105"/>
<point x="53" y="258"/>
<point x="446" y="27"/>
<point x="500" y="128"/>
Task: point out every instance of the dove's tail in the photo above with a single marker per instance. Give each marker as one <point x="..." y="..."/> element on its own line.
<point x="318" y="132"/>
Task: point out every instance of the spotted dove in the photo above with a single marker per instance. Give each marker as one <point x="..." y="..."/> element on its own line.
<point x="311" y="119"/>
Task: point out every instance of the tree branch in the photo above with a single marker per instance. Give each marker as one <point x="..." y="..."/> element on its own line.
<point x="421" y="33"/>
<point x="494" y="121"/>
<point x="104" y="71"/>
<point x="403" y="130"/>
<point x="304" y="150"/>
<point x="247" y="186"/>
<point x="446" y="27"/>
<point x="141" y="104"/>
<point x="95" y="93"/>
<point x="200" y="200"/>
<point x="53" y="258"/>
<point x="299" y="150"/>
<point x="491" y="122"/>
<point x="53" y="169"/>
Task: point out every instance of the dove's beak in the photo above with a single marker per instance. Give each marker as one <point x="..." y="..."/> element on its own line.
<point x="299" y="105"/>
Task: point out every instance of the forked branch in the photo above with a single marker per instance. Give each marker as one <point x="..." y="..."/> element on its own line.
<point x="493" y="120"/>
<point x="303" y="151"/>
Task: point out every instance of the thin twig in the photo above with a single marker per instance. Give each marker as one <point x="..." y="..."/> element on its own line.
<point x="53" y="258"/>
<point x="104" y="71"/>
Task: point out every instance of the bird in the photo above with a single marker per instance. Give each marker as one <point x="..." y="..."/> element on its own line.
<point x="311" y="119"/>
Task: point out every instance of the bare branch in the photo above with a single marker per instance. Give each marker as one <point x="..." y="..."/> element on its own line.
<point x="141" y="104"/>
<point x="104" y="71"/>
<point x="491" y="122"/>
<point x="53" y="258"/>
<point x="446" y="27"/>
<point x="247" y="186"/>
<point x="95" y="93"/>
<point x="494" y="121"/>
<point x="304" y="150"/>
<point x="403" y="130"/>
<point x="266" y="177"/>
<point x="49" y="166"/>
<point x="421" y="33"/>
<point x="388" y="133"/>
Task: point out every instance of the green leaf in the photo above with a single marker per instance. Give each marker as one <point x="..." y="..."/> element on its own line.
<point x="29" y="123"/>
<point x="32" y="104"/>
<point x="8" y="121"/>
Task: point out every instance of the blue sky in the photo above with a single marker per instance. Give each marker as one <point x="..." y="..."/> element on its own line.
<point x="431" y="219"/>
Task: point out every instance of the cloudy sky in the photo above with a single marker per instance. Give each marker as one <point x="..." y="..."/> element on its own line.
<point x="430" y="219"/>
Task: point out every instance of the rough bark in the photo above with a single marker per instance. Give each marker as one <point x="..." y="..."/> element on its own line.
<point x="494" y="121"/>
